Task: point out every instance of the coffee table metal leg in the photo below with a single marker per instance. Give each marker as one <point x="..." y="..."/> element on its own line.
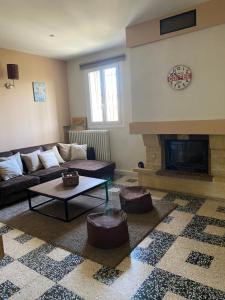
<point x="1" y="248"/>
<point x="106" y="194"/>
<point x="66" y="211"/>
<point x="29" y="199"/>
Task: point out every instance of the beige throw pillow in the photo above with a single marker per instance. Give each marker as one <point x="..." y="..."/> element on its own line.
<point x="48" y="159"/>
<point x="58" y="156"/>
<point x="65" y="150"/>
<point x="32" y="161"/>
<point x="78" y="152"/>
<point x="9" y="169"/>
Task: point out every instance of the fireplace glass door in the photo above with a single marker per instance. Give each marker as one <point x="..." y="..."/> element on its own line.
<point x="186" y="156"/>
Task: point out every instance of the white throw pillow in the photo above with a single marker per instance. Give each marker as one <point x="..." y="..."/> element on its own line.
<point x="58" y="156"/>
<point x="48" y="159"/>
<point x="78" y="152"/>
<point x="32" y="161"/>
<point x="9" y="169"/>
<point x="65" y="150"/>
<point x="17" y="157"/>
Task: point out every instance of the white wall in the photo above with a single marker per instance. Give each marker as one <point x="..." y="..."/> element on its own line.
<point x="126" y="149"/>
<point x="144" y="74"/>
<point x="152" y="98"/>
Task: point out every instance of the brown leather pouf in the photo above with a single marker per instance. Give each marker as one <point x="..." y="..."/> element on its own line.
<point x="135" y="199"/>
<point x="107" y="230"/>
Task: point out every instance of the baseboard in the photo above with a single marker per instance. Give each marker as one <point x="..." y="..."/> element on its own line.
<point x="125" y="173"/>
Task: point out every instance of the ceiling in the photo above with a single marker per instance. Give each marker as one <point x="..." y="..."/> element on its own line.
<point x="79" y="26"/>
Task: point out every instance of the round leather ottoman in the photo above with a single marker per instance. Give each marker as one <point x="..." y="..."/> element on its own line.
<point x="107" y="230"/>
<point x="135" y="199"/>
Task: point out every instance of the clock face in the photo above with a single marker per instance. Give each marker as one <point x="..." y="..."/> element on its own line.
<point x="179" y="77"/>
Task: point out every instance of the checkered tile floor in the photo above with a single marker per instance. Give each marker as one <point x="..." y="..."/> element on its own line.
<point x="182" y="258"/>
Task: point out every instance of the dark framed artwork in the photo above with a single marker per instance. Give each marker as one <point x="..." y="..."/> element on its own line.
<point x="39" y="90"/>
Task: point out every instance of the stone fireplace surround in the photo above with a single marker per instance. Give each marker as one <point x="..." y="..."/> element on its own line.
<point x="154" y="175"/>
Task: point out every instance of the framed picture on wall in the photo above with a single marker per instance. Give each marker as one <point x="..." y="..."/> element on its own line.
<point x="39" y="90"/>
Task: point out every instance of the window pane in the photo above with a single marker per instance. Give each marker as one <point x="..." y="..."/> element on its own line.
<point x="95" y="96"/>
<point x="111" y="97"/>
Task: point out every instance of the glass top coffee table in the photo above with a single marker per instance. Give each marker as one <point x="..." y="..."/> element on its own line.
<point x="56" y="191"/>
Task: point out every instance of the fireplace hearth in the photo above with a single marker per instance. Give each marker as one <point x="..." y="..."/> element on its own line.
<point x="186" y="156"/>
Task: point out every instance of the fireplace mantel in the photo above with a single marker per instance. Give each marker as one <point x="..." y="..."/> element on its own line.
<point x="214" y="127"/>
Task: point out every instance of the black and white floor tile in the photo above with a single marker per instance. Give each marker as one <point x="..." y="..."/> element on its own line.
<point x="182" y="258"/>
<point x="197" y="229"/>
<point x="200" y="259"/>
<point x="5" y="261"/>
<point x="221" y="209"/>
<point x="185" y="203"/>
<point x="40" y="262"/>
<point x="161" y="242"/>
<point x="23" y="238"/>
<point x="107" y="275"/>
<point x="167" y="219"/>
<point x="7" y="289"/>
<point x="160" y="283"/>
<point x="59" y="292"/>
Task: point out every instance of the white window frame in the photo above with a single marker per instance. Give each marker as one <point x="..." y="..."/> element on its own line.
<point x="104" y="123"/>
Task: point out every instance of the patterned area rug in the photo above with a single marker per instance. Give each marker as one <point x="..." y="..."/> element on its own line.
<point x="72" y="236"/>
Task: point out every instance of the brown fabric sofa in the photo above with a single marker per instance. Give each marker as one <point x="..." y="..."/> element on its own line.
<point x="14" y="189"/>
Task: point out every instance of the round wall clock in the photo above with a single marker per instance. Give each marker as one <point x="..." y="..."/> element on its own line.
<point x="179" y="77"/>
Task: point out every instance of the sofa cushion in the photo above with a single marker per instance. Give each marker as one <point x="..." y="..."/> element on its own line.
<point x="49" y="174"/>
<point x="48" y="159"/>
<point x="32" y="161"/>
<point x="65" y="151"/>
<point x="78" y="151"/>
<point x="9" y="169"/>
<point x="26" y="151"/>
<point x="16" y="156"/>
<point x="54" y="148"/>
<point x="92" y="168"/>
<point x="6" y="154"/>
<point x="17" y="184"/>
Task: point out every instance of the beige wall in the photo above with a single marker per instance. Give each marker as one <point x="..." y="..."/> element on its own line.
<point x="127" y="149"/>
<point x="24" y="122"/>
<point x="154" y="100"/>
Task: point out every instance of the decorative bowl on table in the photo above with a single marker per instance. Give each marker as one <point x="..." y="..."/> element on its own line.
<point x="70" y="178"/>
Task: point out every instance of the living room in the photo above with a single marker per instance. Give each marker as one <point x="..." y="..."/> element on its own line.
<point x="165" y="149"/>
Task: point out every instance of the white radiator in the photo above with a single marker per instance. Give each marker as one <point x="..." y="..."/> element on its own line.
<point x="99" y="139"/>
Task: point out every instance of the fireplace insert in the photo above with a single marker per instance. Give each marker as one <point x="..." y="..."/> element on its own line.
<point x="189" y="156"/>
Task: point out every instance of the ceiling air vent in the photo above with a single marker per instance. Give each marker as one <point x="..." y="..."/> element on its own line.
<point x="178" y="22"/>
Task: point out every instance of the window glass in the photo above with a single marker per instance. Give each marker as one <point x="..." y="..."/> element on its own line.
<point x="104" y="97"/>
<point x="95" y="96"/>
